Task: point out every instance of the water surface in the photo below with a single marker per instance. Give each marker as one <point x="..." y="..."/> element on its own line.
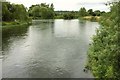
<point x="48" y="49"/>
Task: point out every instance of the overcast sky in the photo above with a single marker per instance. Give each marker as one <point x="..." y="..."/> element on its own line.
<point x="68" y="4"/>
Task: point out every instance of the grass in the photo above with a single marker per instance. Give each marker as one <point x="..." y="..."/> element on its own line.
<point x="13" y="23"/>
<point x="92" y="18"/>
<point x="6" y="26"/>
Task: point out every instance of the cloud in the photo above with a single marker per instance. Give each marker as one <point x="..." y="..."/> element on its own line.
<point x="86" y="3"/>
<point x="66" y="4"/>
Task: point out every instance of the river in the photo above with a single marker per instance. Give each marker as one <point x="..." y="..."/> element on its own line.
<point x="48" y="49"/>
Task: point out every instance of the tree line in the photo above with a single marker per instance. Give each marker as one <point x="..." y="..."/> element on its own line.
<point x="76" y="14"/>
<point x="18" y="12"/>
<point x="83" y="12"/>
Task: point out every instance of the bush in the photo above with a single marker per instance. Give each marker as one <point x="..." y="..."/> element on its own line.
<point x="68" y="16"/>
<point x="104" y="52"/>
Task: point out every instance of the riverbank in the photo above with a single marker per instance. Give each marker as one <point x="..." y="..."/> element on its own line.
<point x="15" y="23"/>
<point x="7" y="25"/>
<point x="91" y="18"/>
<point x="14" y="27"/>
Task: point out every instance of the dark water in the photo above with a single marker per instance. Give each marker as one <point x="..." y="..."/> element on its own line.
<point x="48" y="49"/>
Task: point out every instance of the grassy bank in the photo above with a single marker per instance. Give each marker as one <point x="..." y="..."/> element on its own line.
<point x="13" y="24"/>
<point x="13" y="28"/>
<point x="8" y="27"/>
<point x="91" y="18"/>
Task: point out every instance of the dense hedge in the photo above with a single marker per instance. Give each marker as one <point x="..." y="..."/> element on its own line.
<point x="104" y="51"/>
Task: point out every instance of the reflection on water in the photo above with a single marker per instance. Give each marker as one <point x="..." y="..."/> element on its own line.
<point x="67" y="29"/>
<point x="48" y="49"/>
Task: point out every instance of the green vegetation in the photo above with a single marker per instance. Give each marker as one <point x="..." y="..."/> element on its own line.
<point x="90" y="14"/>
<point x="82" y="12"/>
<point x="18" y="14"/>
<point x="66" y="14"/>
<point x="14" y="12"/>
<point x="15" y="30"/>
<point x="42" y="11"/>
<point x="104" y="52"/>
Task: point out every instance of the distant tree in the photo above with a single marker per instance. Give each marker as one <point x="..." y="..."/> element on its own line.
<point x="36" y="11"/>
<point x="97" y="12"/>
<point x="46" y="13"/>
<point x="94" y="14"/>
<point x="103" y="12"/>
<point x="50" y="14"/>
<point x="90" y="12"/>
<point x="82" y="12"/>
<point x="68" y="16"/>
<point x="42" y="11"/>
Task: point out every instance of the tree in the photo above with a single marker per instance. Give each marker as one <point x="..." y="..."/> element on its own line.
<point x="52" y="6"/>
<point x="97" y="12"/>
<point x="42" y="11"/>
<point x="36" y="11"/>
<point x="12" y="12"/>
<point x="90" y="12"/>
<point x="44" y="5"/>
<point x="6" y="15"/>
<point x="82" y="12"/>
<point x="68" y="16"/>
<point x="20" y="12"/>
<point x="50" y="14"/>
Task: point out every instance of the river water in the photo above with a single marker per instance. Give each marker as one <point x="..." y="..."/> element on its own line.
<point x="48" y="49"/>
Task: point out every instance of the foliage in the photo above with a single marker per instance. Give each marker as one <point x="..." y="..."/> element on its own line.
<point x="14" y="12"/>
<point x="82" y="12"/>
<point x="90" y="12"/>
<point x="96" y="12"/>
<point x="66" y="14"/>
<point x="42" y="11"/>
<point x="104" y="52"/>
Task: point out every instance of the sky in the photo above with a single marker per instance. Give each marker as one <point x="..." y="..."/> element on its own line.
<point x="69" y="5"/>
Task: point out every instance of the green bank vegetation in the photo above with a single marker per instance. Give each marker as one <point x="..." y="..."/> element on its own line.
<point x="14" y="14"/>
<point x="17" y="14"/>
<point x="66" y="15"/>
<point x="90" y="14"/>
<point x="41" y="11"/>
<point x="104" y="52"/>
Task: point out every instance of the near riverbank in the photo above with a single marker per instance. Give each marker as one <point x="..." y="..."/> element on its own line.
<point x="14" y="27"/>
<point x="7" y="25"/>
